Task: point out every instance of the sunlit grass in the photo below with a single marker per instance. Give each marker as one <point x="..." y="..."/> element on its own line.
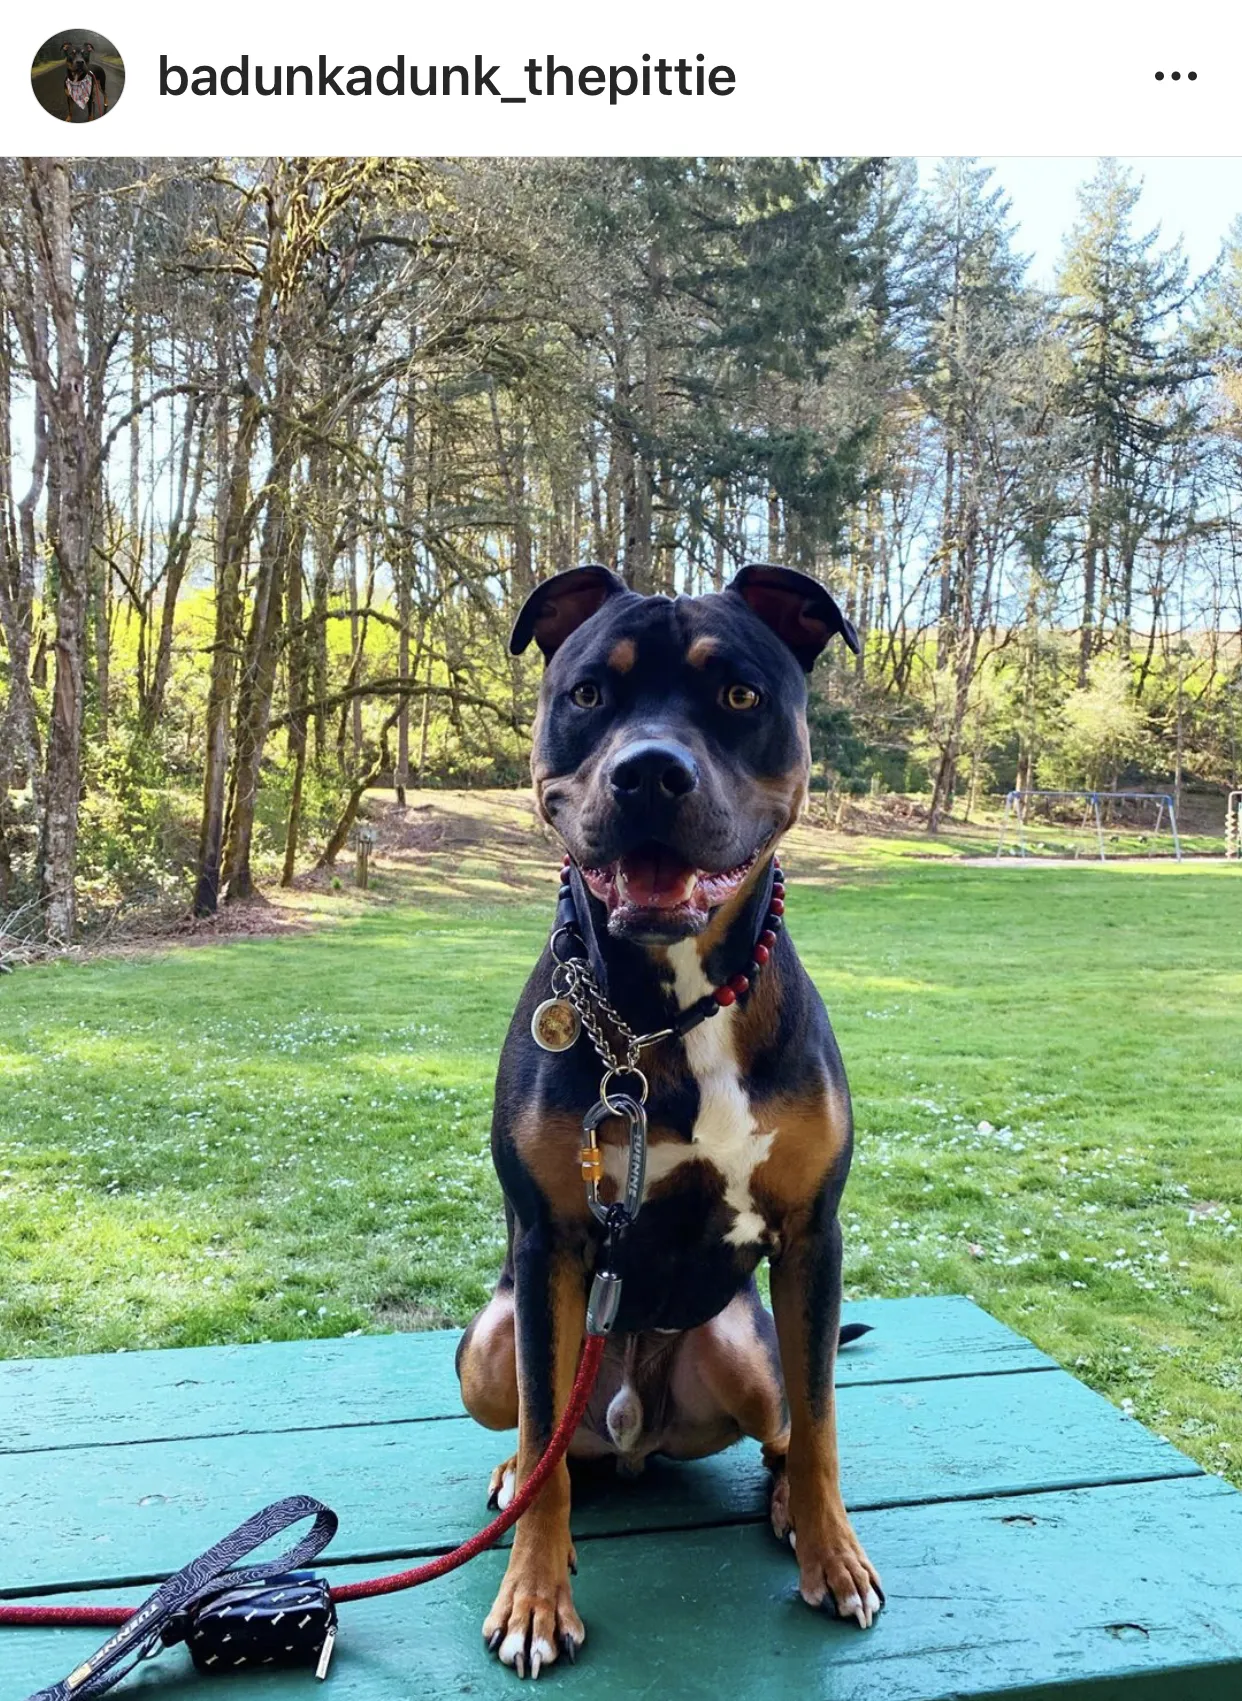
<point x="289" y="1136"/>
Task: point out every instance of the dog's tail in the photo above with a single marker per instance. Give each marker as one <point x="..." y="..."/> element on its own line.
<point x="852" y="1332"/>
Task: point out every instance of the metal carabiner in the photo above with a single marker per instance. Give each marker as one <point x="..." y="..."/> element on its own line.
<point x="636" y="1164"/>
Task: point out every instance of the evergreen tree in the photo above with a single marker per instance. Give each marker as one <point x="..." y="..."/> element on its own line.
<point x="1120" y="301"/>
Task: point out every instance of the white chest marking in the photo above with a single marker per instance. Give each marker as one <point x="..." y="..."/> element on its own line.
<point x="725" y="1132"/>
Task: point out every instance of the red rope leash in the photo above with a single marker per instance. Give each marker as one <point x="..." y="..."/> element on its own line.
<point x="584" y="1384"/>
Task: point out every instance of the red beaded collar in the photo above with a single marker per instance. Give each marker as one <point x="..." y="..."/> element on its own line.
<point x="731" y="990"/>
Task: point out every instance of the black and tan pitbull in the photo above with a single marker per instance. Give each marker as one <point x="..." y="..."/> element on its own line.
<point x="86" y="84"/>
<point x="670" y="755"/>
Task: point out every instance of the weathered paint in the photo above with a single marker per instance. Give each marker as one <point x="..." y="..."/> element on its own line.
<point x="140" y="1509"/>
<point x="187" y="1391"/>
<point x="958" y="1446"/>
<point x="1049" y="1597"/>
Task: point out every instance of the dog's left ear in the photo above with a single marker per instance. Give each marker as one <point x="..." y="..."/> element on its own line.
<point x="559" y="606"/>
<point x="796" y="607"/>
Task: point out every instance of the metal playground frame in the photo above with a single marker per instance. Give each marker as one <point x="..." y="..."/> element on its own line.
<point x="1233" y="826"/>
<point x="1015" y="801"/>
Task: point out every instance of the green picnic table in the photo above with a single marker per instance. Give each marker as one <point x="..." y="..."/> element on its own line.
<point x="1033" y="1540"/>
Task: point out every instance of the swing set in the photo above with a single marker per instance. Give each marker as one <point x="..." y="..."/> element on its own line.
<point x="1096" y="805"/>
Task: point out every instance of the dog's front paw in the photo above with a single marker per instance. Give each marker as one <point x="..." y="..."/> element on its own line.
<point x="835" y="1574"/>
<point x="533" y="1620"/>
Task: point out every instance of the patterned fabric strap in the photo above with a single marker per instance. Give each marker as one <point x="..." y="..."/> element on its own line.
<point x="140" y="1636"/>
<point x="80" y="89"/>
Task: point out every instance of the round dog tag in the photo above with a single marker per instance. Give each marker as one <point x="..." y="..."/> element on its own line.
<point x="555" y="1025"/>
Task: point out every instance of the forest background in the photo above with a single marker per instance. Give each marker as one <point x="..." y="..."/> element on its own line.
<point x="285" y="443"/>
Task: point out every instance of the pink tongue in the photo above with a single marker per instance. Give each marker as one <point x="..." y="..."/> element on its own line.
<point x="655" y="879"/>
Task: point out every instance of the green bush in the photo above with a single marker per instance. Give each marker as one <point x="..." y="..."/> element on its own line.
<point x="135" y="825"/>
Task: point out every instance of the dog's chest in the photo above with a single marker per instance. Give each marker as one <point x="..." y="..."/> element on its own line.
<point x="727" y="1138"/>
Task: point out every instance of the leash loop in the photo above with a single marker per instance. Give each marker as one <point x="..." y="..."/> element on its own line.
<point x="136" y="1626"/>
<point x="609" y="1076"/>
<point x="569" y="928"/>
<point x="145" y="1627"/>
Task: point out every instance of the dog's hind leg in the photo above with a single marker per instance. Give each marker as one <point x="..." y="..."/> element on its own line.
<point x="725" y="1382"/>
<point x="487" y="1362"/>
<point x="487" y="1372"/>
<point x="730" y="1367"/>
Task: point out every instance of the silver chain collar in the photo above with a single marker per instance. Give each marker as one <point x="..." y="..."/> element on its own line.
<point x="574" y="981"/>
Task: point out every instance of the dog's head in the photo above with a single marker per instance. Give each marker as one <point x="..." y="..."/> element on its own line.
<point x="77" y="58"/>
<point x="670" y="745"/>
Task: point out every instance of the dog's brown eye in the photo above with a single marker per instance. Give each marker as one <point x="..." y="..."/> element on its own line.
<point x="586" y="695"/>
<point x="741" y="697"/>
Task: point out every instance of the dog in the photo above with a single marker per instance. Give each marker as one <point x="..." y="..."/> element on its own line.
<point x="670" y="755"/>
<point x="86" y="85"/>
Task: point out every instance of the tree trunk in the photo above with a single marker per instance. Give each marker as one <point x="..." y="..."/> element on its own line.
<point x="298" y="681"/>
<point x="403" y="564"/>
<point x="180" y="537"/>
<point x="71" y="479"/>
<point x="1086" y="642"/>
<point x="254" y="701"/>
<point x="339" y="833"/>
<point x="98" y="567"/>
<point x="19" y="726"/>
<point x="234" y="525"/>
<point x="280" y="540"/>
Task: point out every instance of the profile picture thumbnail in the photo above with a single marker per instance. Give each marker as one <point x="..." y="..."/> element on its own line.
<point x="78" y="76"/>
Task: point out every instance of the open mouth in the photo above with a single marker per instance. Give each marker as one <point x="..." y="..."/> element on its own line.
<point x="655" y="884"/>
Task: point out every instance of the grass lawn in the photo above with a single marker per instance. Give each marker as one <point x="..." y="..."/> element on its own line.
<point x="288" y="1136"/>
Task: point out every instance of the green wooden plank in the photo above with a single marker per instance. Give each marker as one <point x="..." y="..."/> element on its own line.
<point x="196" y="1391"/>
<point x="1109" y="1594"/>
<point x="140" y="1510"/>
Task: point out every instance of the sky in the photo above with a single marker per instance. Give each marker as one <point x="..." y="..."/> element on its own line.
<point x="1196" y="199"/>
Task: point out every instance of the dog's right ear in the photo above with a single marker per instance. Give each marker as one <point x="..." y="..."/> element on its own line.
<point x="798" y="609"/>
<point x="559" y="606"/>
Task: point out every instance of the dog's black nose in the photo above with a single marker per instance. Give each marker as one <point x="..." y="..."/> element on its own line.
<point x="653" y="771"/>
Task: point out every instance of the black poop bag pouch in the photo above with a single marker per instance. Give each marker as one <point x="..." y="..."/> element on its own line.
<point x="231" y="1617"/>
<point x="285" y="1620"/>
